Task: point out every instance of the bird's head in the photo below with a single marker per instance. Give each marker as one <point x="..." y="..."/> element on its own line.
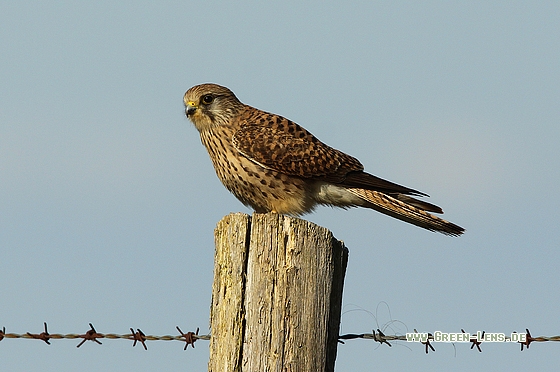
<point x="210" y="105"/>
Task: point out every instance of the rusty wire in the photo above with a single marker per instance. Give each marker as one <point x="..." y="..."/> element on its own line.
<point x="189" y="338"/>
<point x="378" y="336"/>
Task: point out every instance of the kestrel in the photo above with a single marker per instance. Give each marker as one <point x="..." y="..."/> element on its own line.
<point x="274" y="165"/>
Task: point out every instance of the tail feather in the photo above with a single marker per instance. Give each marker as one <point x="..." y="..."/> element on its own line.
<point x="406" y="212"/>
<point x="425" y="206"/>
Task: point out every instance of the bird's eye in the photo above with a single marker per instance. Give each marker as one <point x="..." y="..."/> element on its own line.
<point x="207" y="99"/>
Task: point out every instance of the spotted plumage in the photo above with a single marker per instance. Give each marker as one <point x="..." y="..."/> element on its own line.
<point x="273" y="165"/>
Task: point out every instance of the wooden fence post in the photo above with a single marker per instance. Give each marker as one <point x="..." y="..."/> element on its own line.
<point x="277" y="295"/>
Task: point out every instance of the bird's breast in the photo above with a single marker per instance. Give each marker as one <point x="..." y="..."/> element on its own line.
<point x="263" y="189"/>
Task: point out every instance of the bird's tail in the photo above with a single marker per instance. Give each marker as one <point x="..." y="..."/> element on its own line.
<point x="406" y="212"/>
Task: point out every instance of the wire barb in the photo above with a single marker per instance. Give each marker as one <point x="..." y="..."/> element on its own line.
<point x="528" y="339"/>
<point x="427" y="342"/>
<point x="138" y="337"/>
<point x="475" y="341"/>
<point x="91" y="335"/>
<point x="190" y="337"/>
<point x="44" y="335"/>
<point x="381" y="338"/>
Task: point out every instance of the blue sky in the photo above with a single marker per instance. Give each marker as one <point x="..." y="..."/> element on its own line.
<point x="108" y="200"/>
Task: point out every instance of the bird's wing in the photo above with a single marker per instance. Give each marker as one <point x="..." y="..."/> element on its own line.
<point x="294" y="152"/>
<point x="286" y="147"/>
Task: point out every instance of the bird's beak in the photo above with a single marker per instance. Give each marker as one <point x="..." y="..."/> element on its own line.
<point x="190" y="107"/>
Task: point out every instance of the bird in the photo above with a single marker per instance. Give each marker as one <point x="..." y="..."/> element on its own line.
<point x="272" y="164"/>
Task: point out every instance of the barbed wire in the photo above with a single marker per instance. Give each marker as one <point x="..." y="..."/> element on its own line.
<point x="475" y="341"/>
<point x="189" y="338"/>
<point x="92" y="335"/>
